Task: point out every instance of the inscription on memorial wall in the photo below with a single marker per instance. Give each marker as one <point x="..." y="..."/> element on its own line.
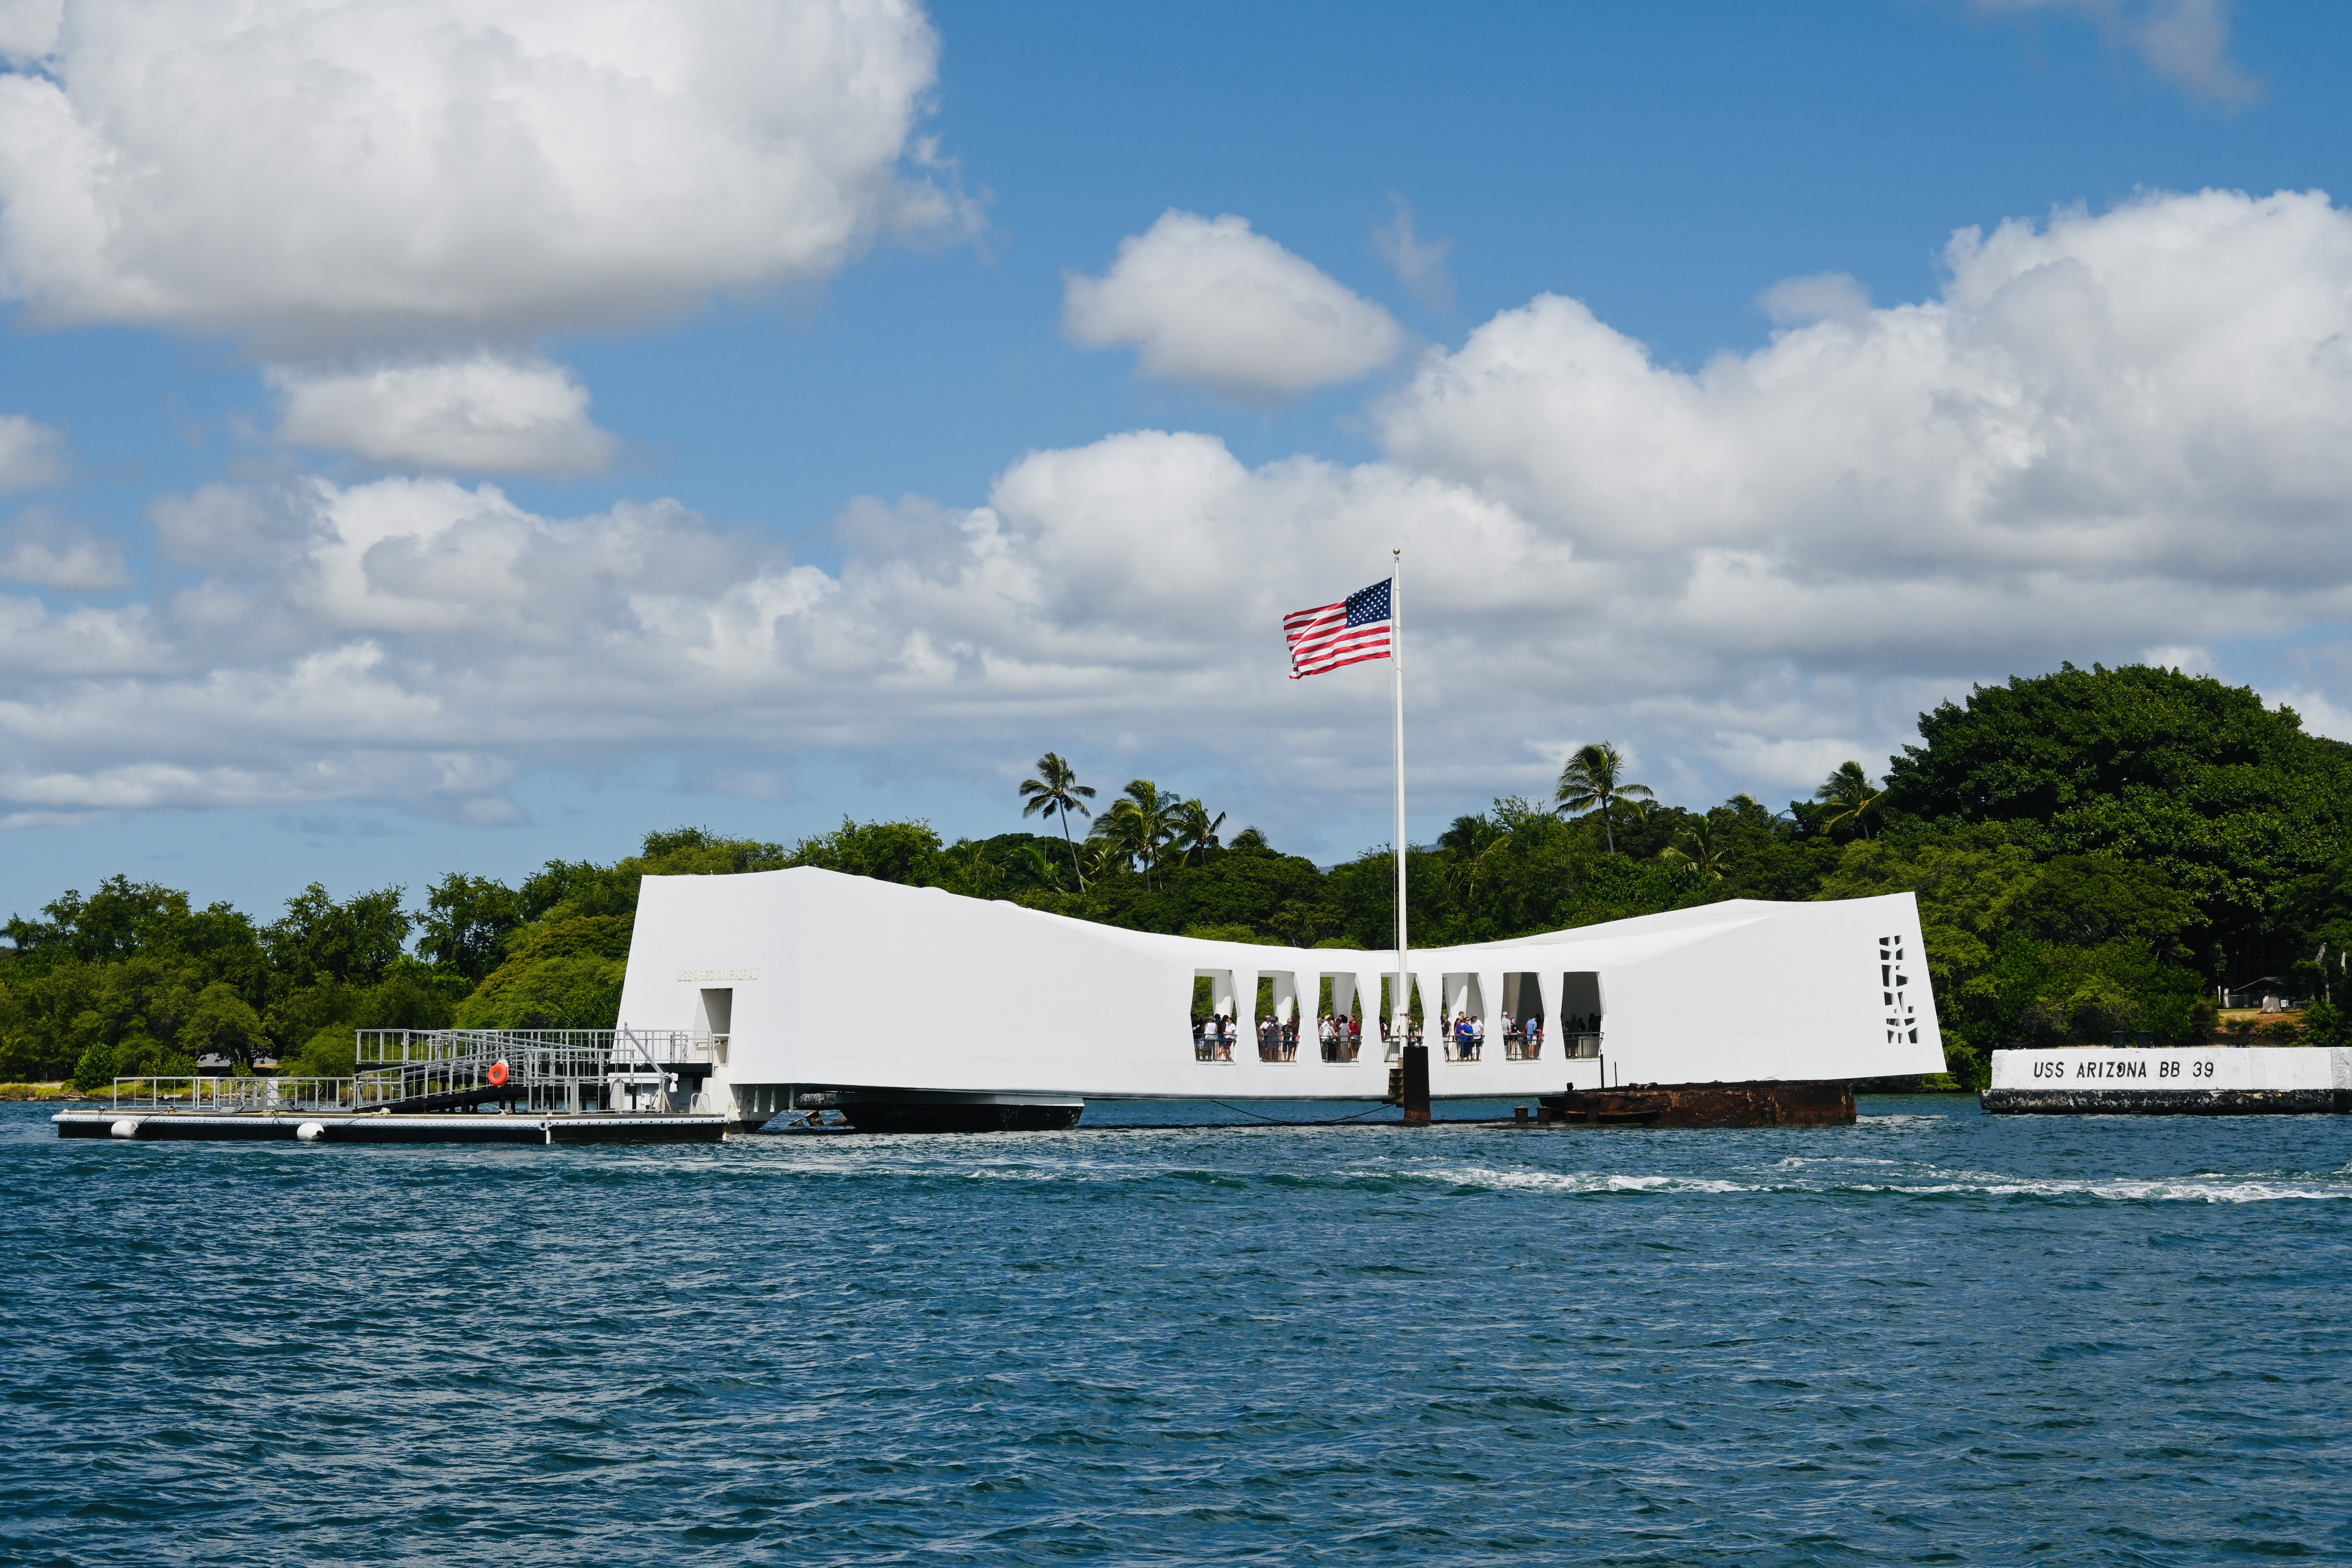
<point x="708" y="975"/>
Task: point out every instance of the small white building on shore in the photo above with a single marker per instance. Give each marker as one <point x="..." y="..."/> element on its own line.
<point x="874" y="993"/>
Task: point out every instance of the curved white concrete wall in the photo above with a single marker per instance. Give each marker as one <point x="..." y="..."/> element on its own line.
<point x="845" y="980"/>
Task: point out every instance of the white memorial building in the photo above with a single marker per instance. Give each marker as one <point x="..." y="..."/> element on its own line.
<point x="916" y="1006"/>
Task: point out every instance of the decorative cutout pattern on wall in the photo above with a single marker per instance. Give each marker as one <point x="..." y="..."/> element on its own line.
<point x="1902" y="1019"/>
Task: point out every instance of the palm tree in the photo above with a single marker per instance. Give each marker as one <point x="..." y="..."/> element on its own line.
<point x="1194" y="829"/>
<point x="1699" y="849"/>
<point x="1591" y="783"/>
<point x="1854" y="798"/>
<point x="1099" y="857"/>
<point x="1057" y="792"/>
<point x="1032" y="860"/>
<point x="1113" y="842"/>
<point x="1472" y="842"/>
<point x="1137" y="824"/>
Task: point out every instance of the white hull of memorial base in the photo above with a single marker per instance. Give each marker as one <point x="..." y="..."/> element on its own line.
<point x="2170" y="1081"/>
<point x="442" y="1086"/>
<point x="913" y="1009"/>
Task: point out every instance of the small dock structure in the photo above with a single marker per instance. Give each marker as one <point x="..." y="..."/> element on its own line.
<point x="2170" y="1081"/>
<point x="443" y="1086"/>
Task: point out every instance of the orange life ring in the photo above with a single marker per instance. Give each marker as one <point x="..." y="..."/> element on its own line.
<point x="497" y="1074"/>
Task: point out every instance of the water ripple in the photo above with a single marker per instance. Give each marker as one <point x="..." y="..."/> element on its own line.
<point x="1934" y="1336"/>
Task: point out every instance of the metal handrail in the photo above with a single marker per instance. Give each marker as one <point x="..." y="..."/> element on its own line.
<point x="399" y="1047"/>
<point x="306" y="1096"/>
<point x="548" y="1069"/>
<point x="234" y="1096"/>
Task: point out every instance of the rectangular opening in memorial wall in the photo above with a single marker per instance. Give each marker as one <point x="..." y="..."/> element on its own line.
<point x="1523" y="1017"/>
<point x="1212" y="1022"/>
<point x="1338" y="1014"/>
<point x="1465" y="1017"/>
<point x="1277" y="1019"/>
<point x="1579" y="1013"/>
<point x="714" y="1012"/>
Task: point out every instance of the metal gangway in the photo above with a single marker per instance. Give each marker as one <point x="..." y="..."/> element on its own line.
<point x="535" y="1070"/>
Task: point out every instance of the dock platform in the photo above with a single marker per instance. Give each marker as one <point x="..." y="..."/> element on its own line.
<point x="442" y="1086"/>
<point x="392" y="1127"/>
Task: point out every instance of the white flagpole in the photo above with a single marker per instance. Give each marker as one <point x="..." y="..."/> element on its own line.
<point x="1404" y="1008"/>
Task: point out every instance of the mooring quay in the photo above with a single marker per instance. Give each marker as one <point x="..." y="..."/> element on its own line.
<point x="2174" y="1081"/>
<point x="443" y="1086"/>
<point x="390" y="1127"/>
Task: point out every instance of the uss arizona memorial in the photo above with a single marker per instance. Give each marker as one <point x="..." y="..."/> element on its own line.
<point x="914" y="1006"/>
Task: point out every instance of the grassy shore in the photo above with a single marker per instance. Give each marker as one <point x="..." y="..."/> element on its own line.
<point x="40" y="1092"/>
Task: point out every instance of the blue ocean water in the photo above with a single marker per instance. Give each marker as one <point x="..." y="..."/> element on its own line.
<point x="1933" y="1337"/>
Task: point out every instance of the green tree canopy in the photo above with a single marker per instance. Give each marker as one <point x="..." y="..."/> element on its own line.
<point x="2227" y="799"/>
<point x="465" y="923"/>
<point x="353" y="941"/>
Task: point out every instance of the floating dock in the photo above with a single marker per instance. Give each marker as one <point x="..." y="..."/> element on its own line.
<point x="391" y="1127"/>
<point x="442" y="1086"/>
<point x="2175" y="1081"/>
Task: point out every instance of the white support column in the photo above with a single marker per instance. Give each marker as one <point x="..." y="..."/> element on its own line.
<point x="1490" y="1014"/>
<point x="1550" y="983"/>
<point x="1400" y="1003"/>
<point x="1244" y="1015"/>
<point x="1285" y="995"/>
<point x="1431" y="982"/>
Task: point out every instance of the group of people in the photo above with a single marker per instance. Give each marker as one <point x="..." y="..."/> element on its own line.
<point x="1522" y="1039"/>
<point x="1341" y="1037"/>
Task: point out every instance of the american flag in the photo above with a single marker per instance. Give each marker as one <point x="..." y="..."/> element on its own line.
<point x="1331" y="635"/>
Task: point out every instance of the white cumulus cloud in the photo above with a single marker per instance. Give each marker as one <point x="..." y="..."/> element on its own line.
<point x="312" y="173"/>
<point x="483" y="414"/>
<point x="2108" y="436"/>
<point x="31" y="454"/>
<point x="1210" y="301"/>
<point x="39" y="552"/>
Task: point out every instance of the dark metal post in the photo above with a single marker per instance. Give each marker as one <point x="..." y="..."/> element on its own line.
<point x="1415" y="1098"/>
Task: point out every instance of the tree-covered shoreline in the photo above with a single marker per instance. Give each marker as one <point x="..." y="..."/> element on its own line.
<point x="2093" y="850"/>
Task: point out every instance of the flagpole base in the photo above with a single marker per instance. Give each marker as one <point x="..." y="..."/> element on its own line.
<point x="1413" y="1087"/>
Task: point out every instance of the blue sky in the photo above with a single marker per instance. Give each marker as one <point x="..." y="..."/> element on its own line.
<point x="203" y="711"/>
